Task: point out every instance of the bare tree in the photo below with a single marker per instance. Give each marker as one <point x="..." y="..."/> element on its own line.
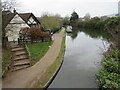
<point x="87" y="16"/>
<point x="8" y="5"/>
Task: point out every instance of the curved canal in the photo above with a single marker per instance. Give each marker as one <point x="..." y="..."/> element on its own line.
<point x="81" y="62"/>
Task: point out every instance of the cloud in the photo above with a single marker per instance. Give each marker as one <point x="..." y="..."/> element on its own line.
<point x="65" y="7"/>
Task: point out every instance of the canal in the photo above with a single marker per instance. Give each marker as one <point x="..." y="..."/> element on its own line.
<point x="82" y="60"/>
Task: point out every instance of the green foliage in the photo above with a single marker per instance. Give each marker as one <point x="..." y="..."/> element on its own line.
<point x="108" y="80"/>
<point x="6" y="59"/>
<point x="109" y="74"/>
<point x="113" y="22"/>
<point x="65" y="21"/>
<point x="38" y="50"/>
<point x="51" y="21"/>
<point x="93" y="23"/>
<point x="74" y="19"/>
<point x="111" y="62"/>
<point x="50" y="72"/>
<point x="100" y="24"/>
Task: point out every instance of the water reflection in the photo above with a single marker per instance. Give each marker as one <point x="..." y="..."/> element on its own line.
<point x="81" y="61"/>
<point x="91" y="33"/>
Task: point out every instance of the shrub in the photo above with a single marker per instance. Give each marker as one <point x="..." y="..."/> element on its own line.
<point x="34" y="34"/>
<point x="109" y="74"/>
<point x="108" y="80"/>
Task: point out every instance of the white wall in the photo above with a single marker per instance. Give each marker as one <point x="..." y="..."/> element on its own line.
<point x="31" y="20"/>
<point x="13" y="28"/>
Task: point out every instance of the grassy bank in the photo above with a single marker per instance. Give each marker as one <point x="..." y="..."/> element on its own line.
<point x="59" y="30"/>
<point x="50" y="72"/>
<point x="38" y="50"/>
<point x="6" y="59"/>
<point x="109" y="74"/>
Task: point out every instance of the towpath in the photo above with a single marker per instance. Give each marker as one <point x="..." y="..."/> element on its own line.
<point x="29" y="77"/>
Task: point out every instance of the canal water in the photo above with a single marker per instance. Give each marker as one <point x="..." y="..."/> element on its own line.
<point x="81" y="62"/>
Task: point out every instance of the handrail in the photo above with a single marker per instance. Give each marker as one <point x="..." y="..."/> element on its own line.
<point x="27" y="51"/>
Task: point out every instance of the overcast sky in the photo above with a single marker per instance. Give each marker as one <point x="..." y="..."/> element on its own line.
<point x="66" y="7"/>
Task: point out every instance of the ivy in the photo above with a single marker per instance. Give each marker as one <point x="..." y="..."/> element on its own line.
<point x="108" y="76"/>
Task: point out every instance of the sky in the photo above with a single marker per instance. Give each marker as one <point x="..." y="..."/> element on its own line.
<point x="66" y="7"/>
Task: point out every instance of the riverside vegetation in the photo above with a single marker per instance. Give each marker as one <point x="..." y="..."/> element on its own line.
<point x="109" y="74"/>
<point x="109" y="28"/>
<point x="50" y="72"/>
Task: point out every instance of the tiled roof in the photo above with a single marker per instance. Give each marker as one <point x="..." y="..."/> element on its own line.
<point x="25" y="16"/>
<point x="8" y="16"/>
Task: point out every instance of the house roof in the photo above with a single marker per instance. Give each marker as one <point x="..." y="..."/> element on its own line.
<point x="7" y="16"/>
<point x="26" y="16"/>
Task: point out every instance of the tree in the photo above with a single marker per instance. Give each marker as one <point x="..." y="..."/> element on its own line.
<point x="87" y="16"/>
<point x="65" y="21"/>
<point x="33" y="34"/>
<point x="8" y="5"/>
<point x="50" y="21"/>
<point x="74" y="19"/>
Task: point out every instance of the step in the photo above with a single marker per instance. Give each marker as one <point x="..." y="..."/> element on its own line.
<point x="20" y="57"/>
<point x="19" y="53"/>
<point x="21" y="62"/>
<point x="17" y="49"/>
<point x="15" y="46"/>
<point x="15" y="68"/>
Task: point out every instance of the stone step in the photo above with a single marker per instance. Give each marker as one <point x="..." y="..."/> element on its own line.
<point x="15" y="68"/>
<point x="15" y="46"/>
<point x="21" y="62"/>
<point x="19" y="52"/>
<point x="17" y="49"/>
<point x="20" y="57"/>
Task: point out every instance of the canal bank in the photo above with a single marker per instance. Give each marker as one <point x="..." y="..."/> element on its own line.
<point x="82" y="60"/>
<point x="52" y="71"/>
<point x="30" y="77"/>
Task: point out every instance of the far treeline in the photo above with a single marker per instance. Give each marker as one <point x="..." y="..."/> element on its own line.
<point x="109" y="74"/>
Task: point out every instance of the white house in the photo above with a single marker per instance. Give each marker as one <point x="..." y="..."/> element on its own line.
<point x="14" y="26"/>
<point x="14" y="22"/>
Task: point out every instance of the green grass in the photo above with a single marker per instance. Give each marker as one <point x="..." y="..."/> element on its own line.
<point x="6" y="59"/>
<point x="50" y="72"/>
<point x="38" y="50"/>
<point x="59" y="30"/>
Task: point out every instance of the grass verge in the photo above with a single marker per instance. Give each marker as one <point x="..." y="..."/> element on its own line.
<point x="6" y="59"/>
<point x="38" y="50"/>
<point x="59" y="30"/>
<point x="51" y="71"/>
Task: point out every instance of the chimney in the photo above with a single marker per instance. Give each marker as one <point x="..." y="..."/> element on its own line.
<point x="14" y="11"/>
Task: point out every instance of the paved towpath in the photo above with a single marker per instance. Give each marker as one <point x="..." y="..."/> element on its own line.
<point x="28" y="77"/>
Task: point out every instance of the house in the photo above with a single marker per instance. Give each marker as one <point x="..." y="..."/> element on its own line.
<point x="13" y="22"/>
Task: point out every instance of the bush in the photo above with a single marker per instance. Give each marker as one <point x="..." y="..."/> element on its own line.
<point x="34" y="34"/>
<point x="108" y="80"/>
<point x="111" y="62"/>
<point x="109" y="74"/>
